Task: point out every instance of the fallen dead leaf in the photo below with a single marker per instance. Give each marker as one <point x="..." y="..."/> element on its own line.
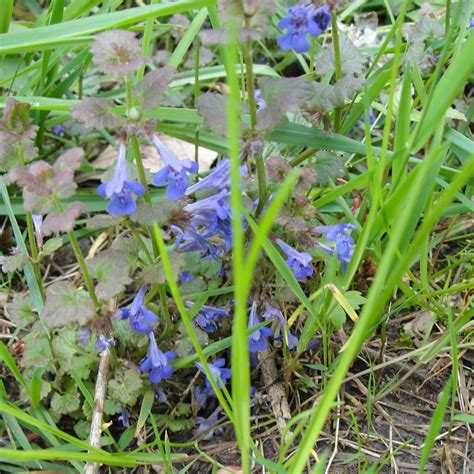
<point x="421" y="323"/>
<point x="151" y="158"/>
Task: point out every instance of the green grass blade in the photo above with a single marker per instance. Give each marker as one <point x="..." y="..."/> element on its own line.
<point x="47" y="37"/>
<point x="6" y="15"/>
<point x="188" y="38"/>
<point x="435" y="426"/>
<point x="447" y="89"/>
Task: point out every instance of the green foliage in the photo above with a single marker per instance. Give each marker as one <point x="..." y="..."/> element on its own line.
<point x="65" y="306"/>
<point x="126" y="386"/>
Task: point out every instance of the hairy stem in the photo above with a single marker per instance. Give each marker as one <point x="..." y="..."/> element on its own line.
<point x="337" y="59"/>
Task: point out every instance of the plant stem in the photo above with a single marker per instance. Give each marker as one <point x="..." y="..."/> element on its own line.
<point x="337" y="60"/>
<point x="32" y="237"/>
<point x="448" y="17"/>
<point x="261" y="179"/>
<point x="140" y="167"/>
<point x="79" y="257"/>
<point x="302" y="156"/>
<point x="83" y="267"/>
<point x="197" y="45"/>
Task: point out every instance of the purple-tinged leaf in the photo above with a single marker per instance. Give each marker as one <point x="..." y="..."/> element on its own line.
<point x="63" y="221"/>
<point x="213" y="108"/>
<point x="152" y="88"/>
<point x="96" y="114"/>
<point x="281" y="95"/>
<point x="117" y="52"/>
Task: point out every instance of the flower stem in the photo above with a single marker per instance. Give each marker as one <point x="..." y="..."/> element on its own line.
<point x="31" y="237"/>
<point x="261" y="178"/>
<point x="197" y="48"/>
<point x="79" y="257"/>
<point x="140" y="167"/>
<point x="337" y="60"/>
<point x="83" y="267"/>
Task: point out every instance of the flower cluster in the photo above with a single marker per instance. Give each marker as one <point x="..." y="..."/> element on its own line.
<point x="120" y="189"/>
<point x="270" y="313"/>
<point x="299" y="262"/>
<point x="174" y="172"/>
<point x="344" y="243"/>
<point x="141" y="319"/>
<point x="208" y="316"/>
<point x="258" y="339"/>
<point x="301" y="21"/>
<point x="220" y="376"/>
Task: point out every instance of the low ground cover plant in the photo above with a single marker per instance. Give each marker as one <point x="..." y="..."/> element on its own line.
<point x="236" y="236"/>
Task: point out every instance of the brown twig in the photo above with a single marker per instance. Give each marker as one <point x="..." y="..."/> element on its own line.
<point x="279" y="402"/>
<point x="99" y="398"/>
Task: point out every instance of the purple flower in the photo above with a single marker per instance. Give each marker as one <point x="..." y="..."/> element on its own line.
<point x="206" y="425"/>
<point x="301" y="21"/>
<point x="58" y="130"/>
<point x="258" y="339"/>
<point x="141" y="318"/>
<point x="124" y="418"/>
<point x="103" y="343"/>
<point x="213" y="214"/>
<point x="38" y="224"/>
<point x="321" y="17"/>
<point x="218" y="179"/>
<point x="186" y="276"/>
<point x="191" y="241"/>
<point x="120" y="188"/>
<point x="259" y="100"/>
<point x="274" y="313"/>
<point x="470" y="23"/>
<point x="219" y="373"/>
<point x="174" y="172"/>
<point x="299" y="262"/>
<point x="208" y="316"/>
<point x="157" y="363"/>
<point x="344" y="242"/>
<point x="83" y="336"/>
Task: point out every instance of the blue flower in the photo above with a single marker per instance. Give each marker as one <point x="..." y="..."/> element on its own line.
<point x="259" y="100"/>
<point x="301" y="21"/>
<point x="321" y="17"/>
<point x="157" y="363"/>
<point x="124" y="418"/>
<point x="258" y="339"/>
<point x="219" y="373"/>
<point x="186" y="276"/>
<point x="213" y="214"/>
<point x="344" y="242"/>
<point x="83" y="336"/>
<point x="218" y="179"/>
<point x="274" y="313"/>
<point x="175" y="171"/>
<point x="206" y="425"/>
<point x="141" y="318"/>
<point x="470" y="23"/>
<point x="103" y="343"/>
<point x="120" y="188"/>
<point x="208" y="316"/>
<point x="191" y="241"/>
<point x="299" y="262"/>
<point x="58" y="130"/>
